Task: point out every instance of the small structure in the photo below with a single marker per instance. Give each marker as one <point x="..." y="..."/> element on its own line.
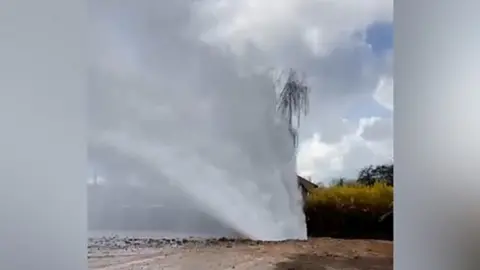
<point x="305" y="186"/>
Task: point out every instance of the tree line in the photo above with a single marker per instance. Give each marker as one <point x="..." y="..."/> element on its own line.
<point x="369" y="176"/>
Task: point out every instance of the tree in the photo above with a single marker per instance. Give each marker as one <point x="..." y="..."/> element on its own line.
<point x="338" y="182"/>
<point x="293" y="102"/>
<point x="374" y="174"/>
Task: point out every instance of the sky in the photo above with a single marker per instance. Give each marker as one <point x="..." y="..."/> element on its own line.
<point x="344" y="48"/>
<point x="361" y="133"/>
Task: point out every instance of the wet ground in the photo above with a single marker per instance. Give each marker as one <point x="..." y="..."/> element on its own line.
<point x="195" y="254"/>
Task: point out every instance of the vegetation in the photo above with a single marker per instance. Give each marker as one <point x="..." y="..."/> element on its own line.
<point x="368" y="176"/>
<point x="293" y="102"/>
<point x="374" y="174"/>
<point x="359" y="208"/>
<point x="351" y="210"/>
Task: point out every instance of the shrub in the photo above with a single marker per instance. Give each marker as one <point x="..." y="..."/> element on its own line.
<point x="350" y="211"/>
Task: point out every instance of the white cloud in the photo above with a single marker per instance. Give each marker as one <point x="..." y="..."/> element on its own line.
<point x="318" y="159"/>
<point x="320" y="25"/>
<point x="384" y="92"/>
<point x="323" y="161"/>
<point x="377" y="129"/>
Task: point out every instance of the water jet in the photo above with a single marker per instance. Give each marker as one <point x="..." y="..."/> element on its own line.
<point x="166" y="108"/>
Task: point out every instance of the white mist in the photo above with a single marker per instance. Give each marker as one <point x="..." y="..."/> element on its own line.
<point x="161" y="98"/>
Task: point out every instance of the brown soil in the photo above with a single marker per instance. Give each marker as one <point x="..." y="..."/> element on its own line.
<point x="318" y="254"/>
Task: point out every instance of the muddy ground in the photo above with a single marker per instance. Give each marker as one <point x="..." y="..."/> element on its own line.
<point x="216" y="254"/>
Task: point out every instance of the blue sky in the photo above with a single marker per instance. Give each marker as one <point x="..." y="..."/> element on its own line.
<point x="379" y="36"/>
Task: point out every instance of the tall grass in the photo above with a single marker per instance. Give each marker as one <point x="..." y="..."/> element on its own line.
<point x="350" y="211"/>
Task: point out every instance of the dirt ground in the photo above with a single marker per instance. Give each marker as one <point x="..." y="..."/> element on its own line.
<point x="318" y="254"/>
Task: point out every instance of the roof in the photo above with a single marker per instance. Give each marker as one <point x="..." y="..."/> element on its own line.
<point x="307" y="185"/>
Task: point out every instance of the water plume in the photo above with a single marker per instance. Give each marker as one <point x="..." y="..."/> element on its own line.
<point x="162" y="101"/>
